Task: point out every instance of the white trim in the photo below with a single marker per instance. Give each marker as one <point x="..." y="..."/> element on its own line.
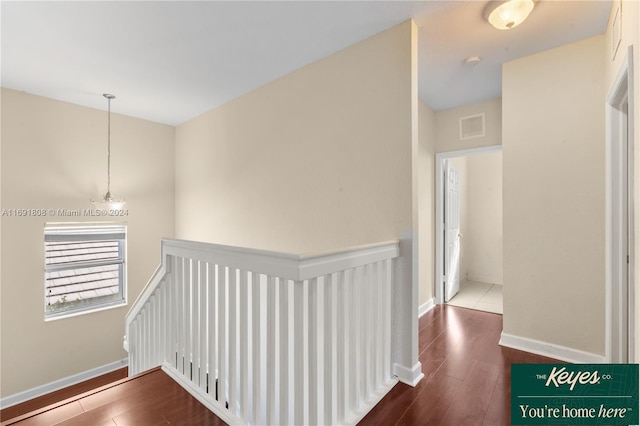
<point x="426" y="307"/>
<point x="371" y="402"/>
<point x="621" y="88"/>
<point x="439" y="231"/>
<point x="61" y="383"/>
<point x="286" y="265"/>
<point x="549" y="350"/>
<point x="205" y="399"/>
<point x="409" y="376"/>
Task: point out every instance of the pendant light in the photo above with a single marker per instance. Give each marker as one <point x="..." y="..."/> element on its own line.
<point x="108" y="202"/>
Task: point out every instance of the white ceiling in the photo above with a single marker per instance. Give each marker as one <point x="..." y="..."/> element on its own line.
<point x="169" y="61"/>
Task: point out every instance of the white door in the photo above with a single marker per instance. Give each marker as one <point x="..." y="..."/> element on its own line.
<point x="452" y="230"/>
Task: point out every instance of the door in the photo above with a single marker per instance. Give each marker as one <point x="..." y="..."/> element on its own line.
<point x="451" y="230"/>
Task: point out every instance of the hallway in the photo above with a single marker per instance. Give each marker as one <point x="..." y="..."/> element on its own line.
<point x="467" y="374"/>
<point x="480" y="296"/>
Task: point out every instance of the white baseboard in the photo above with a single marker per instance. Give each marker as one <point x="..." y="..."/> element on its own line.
<point x="484" y="279"/>
<point x="409" y="376"/>
<point x="426" y="307"/>
<point x="20" y="397"/>
<point x="371" y="402"/>
<point x="205" y="399"/>
<point x="550" y="350"/>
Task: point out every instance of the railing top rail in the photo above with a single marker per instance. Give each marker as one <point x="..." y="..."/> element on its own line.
<point x="280" y="264"/>
<point x="381" y="244"/>
<point x="213" y="247"/>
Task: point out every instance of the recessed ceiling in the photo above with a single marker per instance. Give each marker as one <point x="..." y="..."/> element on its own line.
<point x="171" y="61"/>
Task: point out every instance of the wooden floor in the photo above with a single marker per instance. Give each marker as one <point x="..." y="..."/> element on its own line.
<point x="467" y="374"/>
<point x="467" y="383"/>
<point x="152" y="398"/>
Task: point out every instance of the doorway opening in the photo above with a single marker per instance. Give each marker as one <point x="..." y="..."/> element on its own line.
<point x="620" y="295"/>
<point x="469" y="228"/>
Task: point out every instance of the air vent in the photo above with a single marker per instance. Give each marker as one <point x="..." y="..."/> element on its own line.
<point x="472" y="126"/>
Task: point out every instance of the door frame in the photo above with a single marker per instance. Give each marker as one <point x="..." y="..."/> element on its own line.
<point x="619" y="223"/>
<point x="439" y="206"/>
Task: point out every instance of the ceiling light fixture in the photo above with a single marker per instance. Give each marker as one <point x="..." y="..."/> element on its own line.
<point x="508" y="14"/>
<point x="107" y="202"/>
<point x="472" y="61"/>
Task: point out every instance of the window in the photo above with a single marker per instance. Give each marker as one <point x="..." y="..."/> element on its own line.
<point x="84" y="268"/>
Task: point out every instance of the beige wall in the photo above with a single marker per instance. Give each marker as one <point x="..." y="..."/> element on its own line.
<point x="54" y="156"/>
<point x="447" y="126"/>
<point x="426" y="203"/>
<point x="316" y="160"/>
<point x="630" y="37"/>
<point x="554" y="196"/>
<point x="482" y="236"/>
<point x="320" y="159"/>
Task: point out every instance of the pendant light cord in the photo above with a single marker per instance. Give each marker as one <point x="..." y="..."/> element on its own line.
<point x="109" y="148"/>
<point x="109" y="97"/>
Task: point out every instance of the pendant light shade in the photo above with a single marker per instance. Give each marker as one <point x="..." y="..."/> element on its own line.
<point x="107" y="202"/>
<point x="505" y="15"/>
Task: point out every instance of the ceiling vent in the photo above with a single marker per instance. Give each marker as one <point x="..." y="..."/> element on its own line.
<point x="472" y="126"/>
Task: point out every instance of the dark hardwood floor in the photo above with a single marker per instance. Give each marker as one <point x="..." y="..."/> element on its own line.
<point x="467" y="383"/>
<point x="467" y="374"/>
<point x="151" y="398"/>
<point x="62" y="394"/>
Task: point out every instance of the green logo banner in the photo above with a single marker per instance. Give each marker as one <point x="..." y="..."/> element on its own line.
<point x="574" y="394"/>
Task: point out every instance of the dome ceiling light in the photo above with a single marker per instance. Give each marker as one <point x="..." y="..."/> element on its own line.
<point x="508" y="14"/>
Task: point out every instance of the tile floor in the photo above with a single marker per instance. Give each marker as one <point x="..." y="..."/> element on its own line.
<point x="480" y="296"/>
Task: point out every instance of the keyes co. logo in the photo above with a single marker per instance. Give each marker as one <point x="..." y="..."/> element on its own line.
<point x="560" y="376"/>
<point x="574" y="394"/>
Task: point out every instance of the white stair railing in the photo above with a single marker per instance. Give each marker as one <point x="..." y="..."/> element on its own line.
<point x="262" y="337"/>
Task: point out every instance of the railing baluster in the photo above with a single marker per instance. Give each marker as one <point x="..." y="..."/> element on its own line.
<point x="380" y="379"/>
<point x="244" y="344"/>
<point x="342" y="347"/>
<point x="212" y="331"/>
<point x="188" y="320"/>
<point x="256" y="348"/>
<point x="181" y="318"/>
<point x="271" y="349"/>
<point x="134" y="344"/>
<point x="160" y="326"/>
<point x="168" y="324"/>
<point x="387" y="318"/>
<point x="367" y="329"/>
<point x="143" y="340"/>
<point x="194" y="280"/>
<point x="177" y="313"/>
<point x="222" y="336"/>
<point x="312" y="335"/>
<point x="202" y="325"/>
<point x="298" y="353"/>
<point x="233" y="340"/>
<point x="354" y="383"/>
<point x="284" y="383"/>
<point x="329" y="351"/>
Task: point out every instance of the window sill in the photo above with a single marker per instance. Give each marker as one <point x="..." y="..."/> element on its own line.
<point x="55" y="317"/>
